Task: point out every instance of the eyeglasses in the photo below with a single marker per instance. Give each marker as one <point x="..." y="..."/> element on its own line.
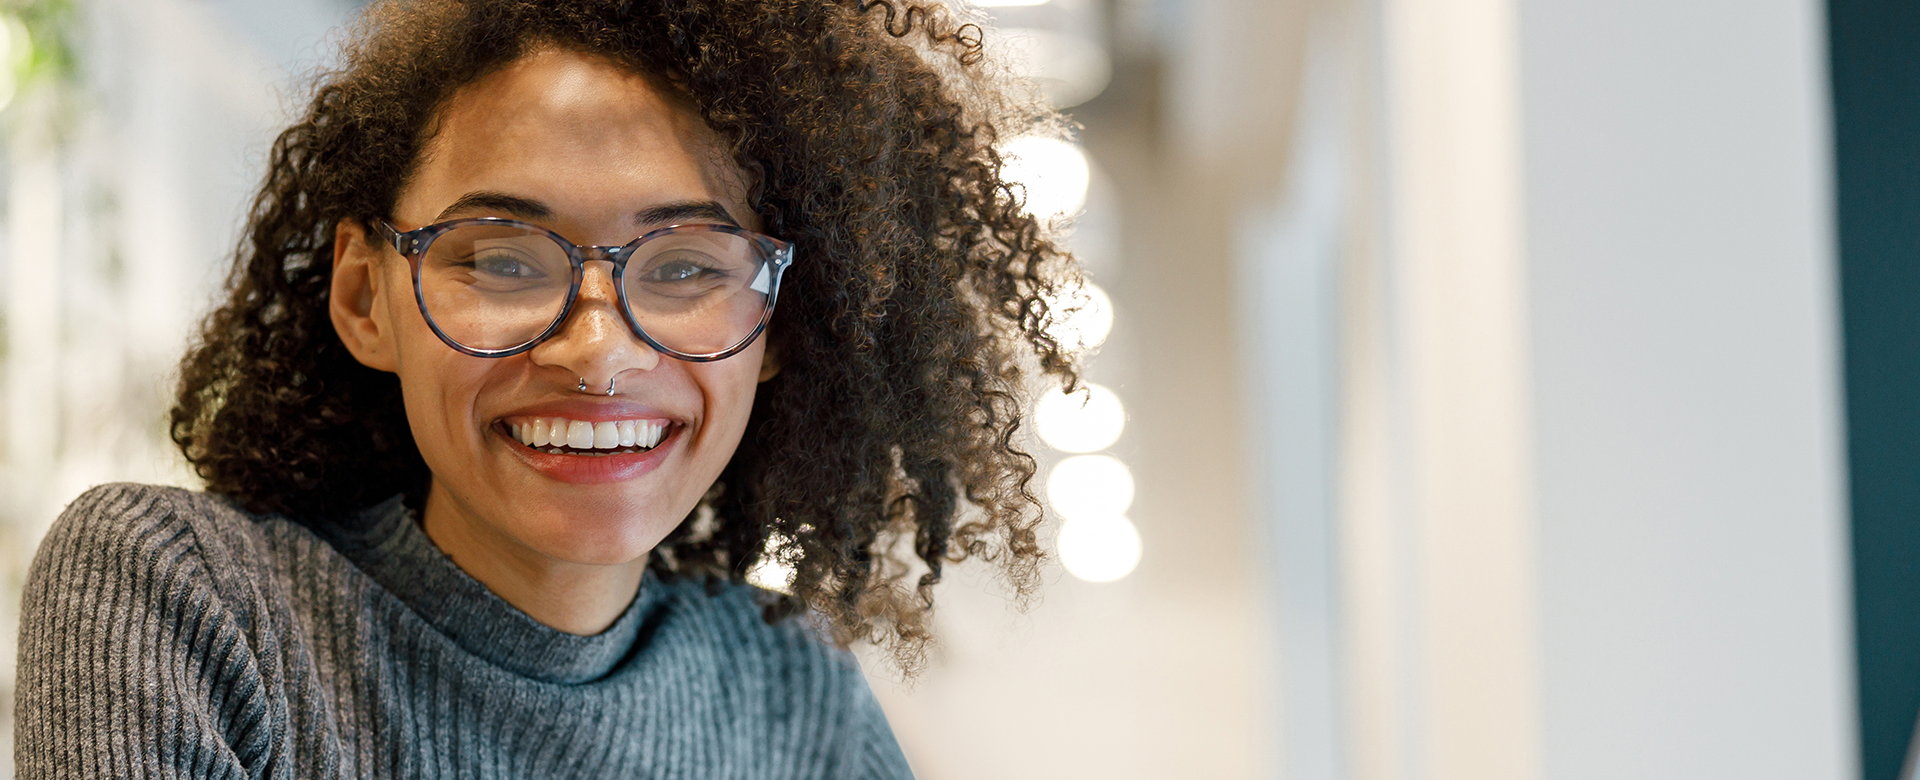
<point x="493" y="287"/>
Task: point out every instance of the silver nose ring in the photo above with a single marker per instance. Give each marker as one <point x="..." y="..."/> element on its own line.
<point x="582" y="387"/>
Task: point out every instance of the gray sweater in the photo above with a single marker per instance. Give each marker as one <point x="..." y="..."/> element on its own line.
<point x="167" y="633"/>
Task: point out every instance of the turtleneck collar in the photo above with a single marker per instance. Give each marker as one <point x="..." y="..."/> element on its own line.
<point x="390" y="546"/>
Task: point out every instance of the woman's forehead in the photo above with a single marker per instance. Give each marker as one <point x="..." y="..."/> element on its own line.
<point x="575" y="131"/>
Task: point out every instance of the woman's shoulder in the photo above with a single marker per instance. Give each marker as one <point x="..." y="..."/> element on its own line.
<point x="141" y="599"/>
<point x="134" y="503"/>
<point x="129" y="510"/>
<point x="787" y="670"/>
<point x="731" y="617"/>
<point x="132" y="528"/>
<point x="801" y="677"/>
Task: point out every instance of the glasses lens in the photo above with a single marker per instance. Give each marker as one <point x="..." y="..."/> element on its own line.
<point x="699" y="291"/>
<point x="494" y="286"/>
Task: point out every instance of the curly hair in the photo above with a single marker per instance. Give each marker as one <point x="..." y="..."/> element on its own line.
<point x="888" y="443"/>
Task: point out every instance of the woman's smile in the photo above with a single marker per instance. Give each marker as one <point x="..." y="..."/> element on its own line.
<point x="583" y="442"/>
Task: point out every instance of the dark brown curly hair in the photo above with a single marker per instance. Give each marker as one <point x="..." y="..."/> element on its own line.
<point x="886" y="446"/>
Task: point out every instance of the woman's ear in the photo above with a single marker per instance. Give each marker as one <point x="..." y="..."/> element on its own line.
<point x="357" y="301"/>
<point x="769" y="358"/>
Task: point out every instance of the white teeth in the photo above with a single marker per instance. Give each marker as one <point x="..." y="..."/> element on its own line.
<point x="580" y="435"/>
<point x="551" y="433"/>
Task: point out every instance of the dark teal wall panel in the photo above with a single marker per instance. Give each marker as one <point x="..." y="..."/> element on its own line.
<point x="1876" y="92"/>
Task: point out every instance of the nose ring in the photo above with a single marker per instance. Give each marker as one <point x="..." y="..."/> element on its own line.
<point x="582" y="387"/>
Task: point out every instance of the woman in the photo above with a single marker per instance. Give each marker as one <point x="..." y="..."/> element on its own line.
<point x="500" y="408"/>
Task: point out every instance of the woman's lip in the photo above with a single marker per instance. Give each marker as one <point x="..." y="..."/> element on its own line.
<point x="590" y="469"/>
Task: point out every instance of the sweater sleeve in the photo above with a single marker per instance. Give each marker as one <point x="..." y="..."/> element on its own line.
<point x="876" y="754"/>
<point x="132" y="663"/>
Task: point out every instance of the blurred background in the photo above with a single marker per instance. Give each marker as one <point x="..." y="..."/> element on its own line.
<point x="1483" y="389"/>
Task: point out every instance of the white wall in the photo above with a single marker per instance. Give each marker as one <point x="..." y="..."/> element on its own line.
<point x="1693" y="571"/>
<point x="1585" y="517"/>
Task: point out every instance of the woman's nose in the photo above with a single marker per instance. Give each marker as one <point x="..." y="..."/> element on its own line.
<point x="595" y="343"/>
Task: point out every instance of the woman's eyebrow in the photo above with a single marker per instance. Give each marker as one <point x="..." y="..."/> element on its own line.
<point x="530" y="209"/>
<point x="704" y="210"/>
<point x="498" y="202"/>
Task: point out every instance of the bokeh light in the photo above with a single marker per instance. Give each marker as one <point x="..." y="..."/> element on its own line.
<point x="1099" y="550"/>
<point x="774" y="570"/>
<point x="1054" y="174"/>
<point x="1081" y="421"/>
<point x="1079" y="318"/>
<point x="1090" y="486"/>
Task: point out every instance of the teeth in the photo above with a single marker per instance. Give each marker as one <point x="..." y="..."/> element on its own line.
<point x="551" y="433"/>
<point x="580" y="435"/>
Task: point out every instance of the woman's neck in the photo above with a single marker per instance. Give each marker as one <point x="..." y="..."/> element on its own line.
<point x="576" y="598"/>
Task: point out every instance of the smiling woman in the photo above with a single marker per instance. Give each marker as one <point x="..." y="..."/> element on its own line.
<point x="553" y="320"/>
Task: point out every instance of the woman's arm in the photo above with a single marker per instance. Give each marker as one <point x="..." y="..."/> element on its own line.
<point x="132" y="663"/>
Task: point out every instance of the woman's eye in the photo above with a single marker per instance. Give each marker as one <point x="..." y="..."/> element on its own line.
<point x="504" y="265"/>
<point x="678" y="271"/>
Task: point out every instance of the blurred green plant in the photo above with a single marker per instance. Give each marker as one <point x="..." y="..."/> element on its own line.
<point x="36" y="46"/>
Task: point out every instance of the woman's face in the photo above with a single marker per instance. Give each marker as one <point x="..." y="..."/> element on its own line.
<point x="599" y="155"/>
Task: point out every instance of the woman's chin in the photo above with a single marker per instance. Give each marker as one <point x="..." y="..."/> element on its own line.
<point x="596" y="541"/>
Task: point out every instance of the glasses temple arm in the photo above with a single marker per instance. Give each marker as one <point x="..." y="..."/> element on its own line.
<point x="400" y="242"/>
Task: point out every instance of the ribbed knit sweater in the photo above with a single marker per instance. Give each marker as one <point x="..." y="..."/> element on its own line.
<point x="167" y="633"/>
